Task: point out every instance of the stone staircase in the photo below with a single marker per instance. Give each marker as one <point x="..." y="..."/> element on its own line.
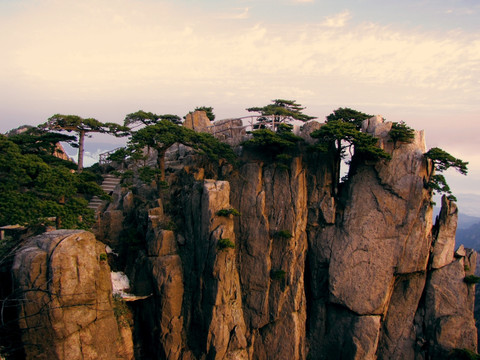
<point x="108" y="185"/>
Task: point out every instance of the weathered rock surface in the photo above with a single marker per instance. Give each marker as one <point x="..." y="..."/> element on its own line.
<point x="67" y="310"/>
<point x="197" y="121"/>
<point x="447" y="326"/>
<point x="273" y="243"/>
<point x="310" y="269"/>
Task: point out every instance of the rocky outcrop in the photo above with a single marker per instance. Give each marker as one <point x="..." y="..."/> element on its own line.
<point x="198" y="121"/>
<point x="67" y="310"/>
<point x="310" y="268"/>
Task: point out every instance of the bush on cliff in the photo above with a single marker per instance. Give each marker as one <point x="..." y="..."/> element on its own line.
<point x="162" y="131"/>
<point x="341" y="136"/>
<point x="275" y="144"/>
<point x="401" y="132"/>
<point x="33" y="191"/>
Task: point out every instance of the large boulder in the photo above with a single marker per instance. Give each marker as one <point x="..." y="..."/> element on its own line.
<point x="67" y="311"/>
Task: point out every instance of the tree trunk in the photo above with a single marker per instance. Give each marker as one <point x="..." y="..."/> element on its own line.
<point x="81" y="140"/>
<point x="161" y="164"/>
<point x="336" y="167"/>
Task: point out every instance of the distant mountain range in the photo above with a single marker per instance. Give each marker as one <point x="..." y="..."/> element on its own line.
<point x="468" y="231"/>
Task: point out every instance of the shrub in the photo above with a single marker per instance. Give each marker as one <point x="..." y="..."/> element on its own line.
<point x="225" y="244"/>
<point x="283" y="234"/>
<point x="122" y="312"/>
<point x="168" y="225"/>
<point x="471" y="279"/>
<point x="463" y="354"/>
<point x="401" y="132"/>
<point x="277" y="274"/>
<point x="228" y="212"/>
<point x="148" y="174"/>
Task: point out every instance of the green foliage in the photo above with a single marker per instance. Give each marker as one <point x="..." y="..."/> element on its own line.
<point x="44" y="144"/>
<point x="228" y="212"/>
<point x="163" y="185"/>
<point x="122" y="312"/>
<point x="471" y="279"/>
<point x="340" y="135"/>
<point x="283" y="234"/>
<point x="32" y="190"/>
<point x="211" y="146"/>
<point x="274" y="143"/>
<point x="226" y="243"/>
<point x="442" y="161"/>
<point x="366" y="147"/>
<point x="120" y="155"/>
<point x="81" y="126"/>
<point x="148" y="118"/>
<point x="277" y="274"/>
<point x="163" y="134"/>
<point x="281" y="111"/>
<point x="348" y="115"/>
<point x="463" y="354"/>
<point x="168" y="225"/>
<point x="401" y="132"/>
<point x="147" y="174"/>
<point x="208" y="110"/>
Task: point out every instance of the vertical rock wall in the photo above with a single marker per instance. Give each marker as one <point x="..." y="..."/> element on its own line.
<point x="301" y="273"/>
<point x="272" y="251"/>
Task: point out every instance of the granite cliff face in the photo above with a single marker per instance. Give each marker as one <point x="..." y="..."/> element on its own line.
<point x="302" y="273"/>
<point x="66" y="310"/>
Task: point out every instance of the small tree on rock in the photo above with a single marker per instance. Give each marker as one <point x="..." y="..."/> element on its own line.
<point x="281" y="111"/>
<point x="340" y="134"/>
<point x="443" y="161"/>
<point x="401" y="132"/>
<point x="82" y="127"/>
<point x="162" y="133"/>
<point x="349" y="116"/>
<point x="208" y="110"/>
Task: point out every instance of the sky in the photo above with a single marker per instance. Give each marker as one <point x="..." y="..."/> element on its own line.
<point x="416" y="61"/>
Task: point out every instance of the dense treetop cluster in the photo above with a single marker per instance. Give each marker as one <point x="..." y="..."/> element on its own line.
<point x="38" y="187"/>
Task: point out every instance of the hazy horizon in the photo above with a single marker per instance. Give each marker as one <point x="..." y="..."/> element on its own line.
<point x="413" y="61"/>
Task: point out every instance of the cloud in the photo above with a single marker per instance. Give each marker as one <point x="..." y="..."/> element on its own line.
<point x="240" y="14"/>
<point x="337" y="20"/>
<point x="90" y="50"/>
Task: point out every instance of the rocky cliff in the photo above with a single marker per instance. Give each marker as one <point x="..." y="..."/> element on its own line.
<point x="304" y="272"/>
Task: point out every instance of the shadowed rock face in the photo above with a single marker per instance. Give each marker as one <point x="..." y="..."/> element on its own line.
<point x="301" y="273"/>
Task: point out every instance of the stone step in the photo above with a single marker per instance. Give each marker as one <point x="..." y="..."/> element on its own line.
<point x="109" y="184"/>
<point x="94" y="203"/>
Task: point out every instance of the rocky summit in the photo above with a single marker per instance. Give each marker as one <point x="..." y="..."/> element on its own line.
<point x="266" y="259"/>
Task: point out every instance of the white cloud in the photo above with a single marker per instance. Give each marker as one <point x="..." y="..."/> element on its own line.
<point x="239" y="14"/>
<point x="91" y="50"/>
<point x="95" y="59"/>
<point x="337" y="20"/>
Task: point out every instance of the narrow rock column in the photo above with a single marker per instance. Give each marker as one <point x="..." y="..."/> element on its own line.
<point x="222" y="295"/>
